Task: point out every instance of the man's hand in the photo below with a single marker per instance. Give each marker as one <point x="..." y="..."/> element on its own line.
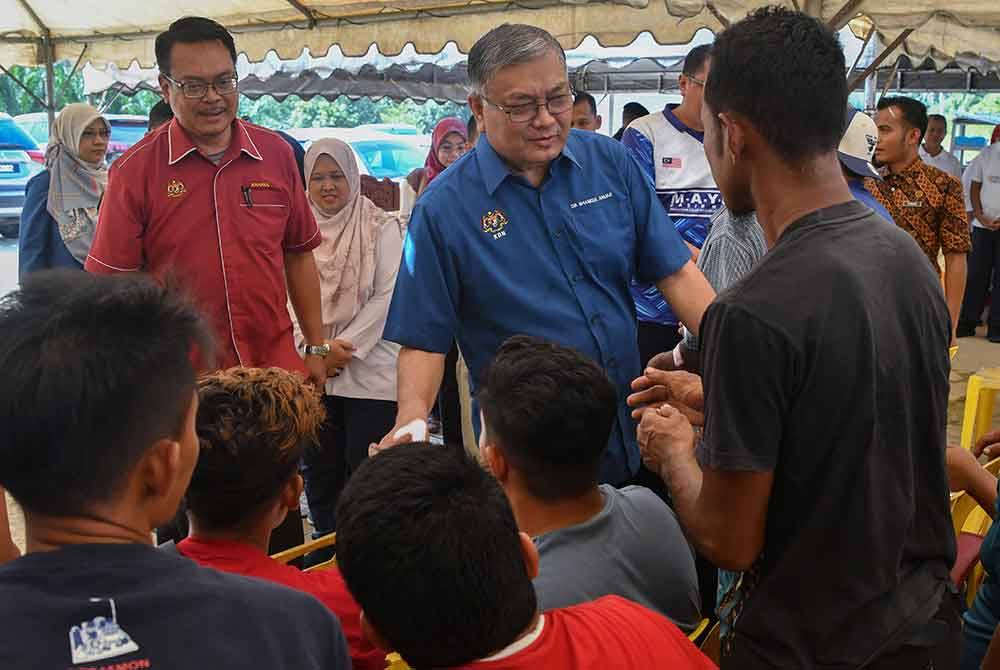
<point x="988" y="444"/>
<point x="962" y="467"/>
<point x="317" y="371"/>
<point x="341" y="352"/>
<point x="664" y="435"/>
<point x="681" y="389"/>
<point x="408" y="426"/>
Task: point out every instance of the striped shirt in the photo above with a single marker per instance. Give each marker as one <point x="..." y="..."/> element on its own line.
<point x="733" y="247"/>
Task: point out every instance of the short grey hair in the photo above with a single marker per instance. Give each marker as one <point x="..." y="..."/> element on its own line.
<point x="509" y="44"/>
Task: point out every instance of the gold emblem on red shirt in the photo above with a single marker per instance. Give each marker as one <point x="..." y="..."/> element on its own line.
<point x="494" y="222"/>
<point x="175" y="188"/>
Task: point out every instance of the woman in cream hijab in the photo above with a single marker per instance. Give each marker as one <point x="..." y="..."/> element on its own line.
<point x="60" y="203"/>
<point x="357" y="261"/>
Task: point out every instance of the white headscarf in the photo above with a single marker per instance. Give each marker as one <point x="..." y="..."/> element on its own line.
<point x="75" y="186"/>
<point x="346" y="256"/>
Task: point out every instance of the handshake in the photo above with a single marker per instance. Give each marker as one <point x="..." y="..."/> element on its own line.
<point x="667" y="405"/>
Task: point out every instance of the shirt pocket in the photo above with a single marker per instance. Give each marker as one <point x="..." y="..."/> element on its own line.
<point x="605" y="233"/>
<point x="263" y="215"/>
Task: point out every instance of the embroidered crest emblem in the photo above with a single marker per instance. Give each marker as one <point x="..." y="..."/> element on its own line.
<point x="494" y="223"/>
<point x="175" y="188"/>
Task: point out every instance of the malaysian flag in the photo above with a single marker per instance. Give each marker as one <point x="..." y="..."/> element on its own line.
<point x="672" y="162"/>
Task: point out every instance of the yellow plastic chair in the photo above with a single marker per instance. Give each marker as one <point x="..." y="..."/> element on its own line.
<point x="699" y="629"/>
<point x="395" y="662"/>
<point x="980" y="395"/>
<point x="952" y="351"/>
<point x="307" y="548"/>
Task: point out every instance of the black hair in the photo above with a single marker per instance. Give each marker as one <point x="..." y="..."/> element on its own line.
<point x="782" y="71"/>
<point x="636" y="109"/>
<point x="191" y="30"/>
<point x="159" y="114"/>
<point x="550" y="410"/>
<point x="914" y="112"/>
<point x="428" y="546"/>
<point x="937" y="117"/>
<point x="253" y="426"/>
<point x="583" y="96"/>
<point x="95" y="371"/>
<point x="696" y="59"/>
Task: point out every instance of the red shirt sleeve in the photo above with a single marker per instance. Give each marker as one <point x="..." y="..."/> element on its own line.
<point x="117" y="243"/>
<point x="301" y="232"/>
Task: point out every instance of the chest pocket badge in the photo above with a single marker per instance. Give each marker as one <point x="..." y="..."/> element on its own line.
<point x="494" y="223"/>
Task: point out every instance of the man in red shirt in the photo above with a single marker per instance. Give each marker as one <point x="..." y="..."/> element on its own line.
<point x="218" y="204"/>
<point x="429" y="547"/>
<point x="253" y="426"/>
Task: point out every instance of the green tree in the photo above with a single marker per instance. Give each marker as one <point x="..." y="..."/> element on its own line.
<point x="14" y="100"/>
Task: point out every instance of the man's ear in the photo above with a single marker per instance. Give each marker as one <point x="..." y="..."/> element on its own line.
<point x="600" y="122"/>
<point x="495" y="461"/>
<point x="734" y="137"/>
<point x="372" y="635"/>
<point x="530" y="554"/>
<point x="164" y="88"/>
<point x="476" y="106"/>
<point x="157" y="473"/>
<point x="291" y="493"/>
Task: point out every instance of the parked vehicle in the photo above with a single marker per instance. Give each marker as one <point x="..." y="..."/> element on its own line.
<point x="126" y="130"/>
<point x="19" y="162"/>
<point x="379" y="154"/>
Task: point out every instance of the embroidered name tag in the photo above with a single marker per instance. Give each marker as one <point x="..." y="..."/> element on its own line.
<point x="591" y="200"/>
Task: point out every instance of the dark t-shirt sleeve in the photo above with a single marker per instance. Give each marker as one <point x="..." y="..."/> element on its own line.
<point x="748" y="381"/>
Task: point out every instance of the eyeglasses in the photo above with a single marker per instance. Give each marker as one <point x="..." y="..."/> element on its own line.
<point x="700" y="82"/>
<point x="559" y="104"/>
<point x="195" y="90"/>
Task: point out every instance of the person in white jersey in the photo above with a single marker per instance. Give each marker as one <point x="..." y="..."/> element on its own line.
<point x="932" y="150"/>
<point x="983" y="179"/>
<point x="668" y="146"/>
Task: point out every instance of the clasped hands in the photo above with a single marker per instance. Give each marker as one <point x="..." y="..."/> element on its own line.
<point x="667" y="405"/>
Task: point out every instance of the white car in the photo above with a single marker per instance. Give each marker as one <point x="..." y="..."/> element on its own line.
<point x="378" y="154"/>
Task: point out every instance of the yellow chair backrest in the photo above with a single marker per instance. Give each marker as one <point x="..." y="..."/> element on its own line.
<point x="305" y="548"/>
<point x="395" y="662"/>
<point x="699" y="629"/>
<point x="962" y="507"/>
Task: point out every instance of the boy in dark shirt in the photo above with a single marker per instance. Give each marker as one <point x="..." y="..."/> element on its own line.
<point x="820" y="475"/>
<point x="97" y="444"/>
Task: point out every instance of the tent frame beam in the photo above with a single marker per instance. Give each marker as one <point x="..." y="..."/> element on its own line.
<point x="878" y="60"/>
<point x="845" y="14"/>
<point x="48" y="57"/>
<point x="304" y="11"/>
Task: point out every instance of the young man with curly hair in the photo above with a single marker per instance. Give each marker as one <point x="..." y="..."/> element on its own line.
<point x="253" y="426"/>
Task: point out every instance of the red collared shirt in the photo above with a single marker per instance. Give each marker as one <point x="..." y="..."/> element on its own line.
<point x="327" y="585"/>
<point x="222" y="230"/>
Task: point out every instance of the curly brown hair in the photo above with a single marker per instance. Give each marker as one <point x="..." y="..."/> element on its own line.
<point x="253" y="425"/>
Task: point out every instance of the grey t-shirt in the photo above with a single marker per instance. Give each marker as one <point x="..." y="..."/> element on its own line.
<point x="633" y="548"/>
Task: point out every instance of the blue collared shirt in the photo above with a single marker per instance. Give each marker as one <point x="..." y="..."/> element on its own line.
<point x="488" y="256"/>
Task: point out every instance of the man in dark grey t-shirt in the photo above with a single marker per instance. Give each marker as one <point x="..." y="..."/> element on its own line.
<point x="547" y="414"/>
<point x="821" y="471"/>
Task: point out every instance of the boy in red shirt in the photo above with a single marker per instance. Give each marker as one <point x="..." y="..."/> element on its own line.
<point x="253" y="425"/>
<point x="429" y="547"/>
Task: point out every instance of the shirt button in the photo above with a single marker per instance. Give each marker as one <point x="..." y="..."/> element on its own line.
<point x="612" y="362"/>
<point x="577" y="278"/>
<point x="596" y="319"/>
<point x="557" y="232"/>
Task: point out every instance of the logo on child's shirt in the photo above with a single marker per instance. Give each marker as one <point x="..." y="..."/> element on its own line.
<point x="100" y="638"/>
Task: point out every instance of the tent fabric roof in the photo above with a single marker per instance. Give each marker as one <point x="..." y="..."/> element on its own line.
<point x="120" y="31"/>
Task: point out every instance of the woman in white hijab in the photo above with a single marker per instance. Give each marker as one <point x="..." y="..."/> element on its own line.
<point x="60" y="203"/>
<point x="357" y="261"/>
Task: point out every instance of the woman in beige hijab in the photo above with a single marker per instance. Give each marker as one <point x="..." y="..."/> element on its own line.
<point x="357" y="261"/>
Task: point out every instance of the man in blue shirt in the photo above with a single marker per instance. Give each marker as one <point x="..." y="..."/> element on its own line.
<point x="539" y="231"/>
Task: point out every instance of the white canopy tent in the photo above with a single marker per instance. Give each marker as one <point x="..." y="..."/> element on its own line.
<point x="123" y="31"/>
<point x="120" y="31"/>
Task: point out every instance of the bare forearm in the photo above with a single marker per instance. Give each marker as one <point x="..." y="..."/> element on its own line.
<point x="955" y="268"/>
<point x="983" y="488"/>
<point x="418" y="381"/>
<point x="689" y="295"/>
<point x="304" y="292"/>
